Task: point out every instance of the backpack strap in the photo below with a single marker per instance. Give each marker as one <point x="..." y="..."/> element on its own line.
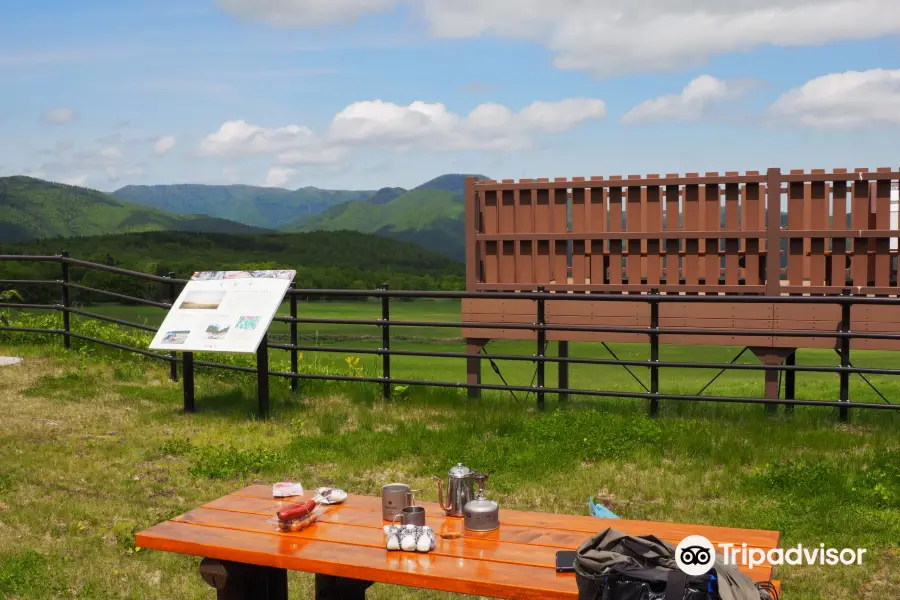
<point x="676" y="585"/>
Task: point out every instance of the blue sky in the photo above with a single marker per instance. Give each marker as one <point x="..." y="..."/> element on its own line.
<point x="345" y="93"/>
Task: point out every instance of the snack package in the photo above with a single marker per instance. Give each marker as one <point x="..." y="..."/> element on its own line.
<point x="410" y="538"/>
<point x="285" y="489"/>
<point x="297" y="517"/>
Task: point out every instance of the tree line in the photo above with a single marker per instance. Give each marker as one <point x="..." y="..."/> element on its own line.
<point x="323" y="260"/>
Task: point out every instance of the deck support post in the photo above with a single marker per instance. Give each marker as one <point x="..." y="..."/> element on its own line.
<point x="329" y="587"/>
<point x="772" y="356"/>
<point x="239" y="581"/>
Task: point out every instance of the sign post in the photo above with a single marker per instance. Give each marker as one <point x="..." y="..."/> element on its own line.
<point x="224" y="311"/>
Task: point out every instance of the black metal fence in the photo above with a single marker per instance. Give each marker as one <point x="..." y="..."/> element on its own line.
<point x="540" y="327"/>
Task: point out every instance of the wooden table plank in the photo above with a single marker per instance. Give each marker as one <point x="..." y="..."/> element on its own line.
<point x="479" y="546"/>
<point x="515" y="561"/>
<point x="460" y="575"/>
<point x="670" y="532"/>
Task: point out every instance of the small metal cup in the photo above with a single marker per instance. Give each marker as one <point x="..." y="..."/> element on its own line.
<point x="394" y="498"/>
<point x="413" y="515"/>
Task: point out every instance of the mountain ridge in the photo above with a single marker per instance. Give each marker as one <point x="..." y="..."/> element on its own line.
<point x="32" y="208"/>
<point x="258" y="206"/>
<point x="431" y="215"/>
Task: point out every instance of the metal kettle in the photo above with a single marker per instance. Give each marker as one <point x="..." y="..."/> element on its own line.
<point x="460" y="489"/>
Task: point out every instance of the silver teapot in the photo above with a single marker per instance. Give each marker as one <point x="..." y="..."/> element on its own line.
<point x="460" y="489"/>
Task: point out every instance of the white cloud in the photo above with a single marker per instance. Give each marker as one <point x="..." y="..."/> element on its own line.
<point x="59" y="116"/>
<point x="239" y="138"/>
<point x="384" y="125"/>
<point x="843" y="100"/>
<point x="278" y="176"/>
<point x="307" y="13"/>
<point x="164" y="144"/>
<point x="488" y="126"/>
<point x="691" y="104"/>
<point x="69" y="165"/>
<point x="612" y="37"/>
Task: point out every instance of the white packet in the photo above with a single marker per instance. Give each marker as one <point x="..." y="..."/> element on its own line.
<point x="285" y="489"/>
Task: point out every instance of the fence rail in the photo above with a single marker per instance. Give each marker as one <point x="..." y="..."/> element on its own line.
<point x="539" y="327"/>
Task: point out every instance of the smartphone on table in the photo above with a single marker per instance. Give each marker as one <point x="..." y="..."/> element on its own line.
<point x="565" y="561"/>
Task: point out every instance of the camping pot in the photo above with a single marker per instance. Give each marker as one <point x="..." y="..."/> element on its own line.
<point x="481" y="514"/>
<point x="460" y="489"/>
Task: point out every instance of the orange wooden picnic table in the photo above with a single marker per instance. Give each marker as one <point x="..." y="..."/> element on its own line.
<point x="245" y="557"/>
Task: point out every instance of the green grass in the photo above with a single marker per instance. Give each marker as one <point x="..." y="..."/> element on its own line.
<point x="94" y="448"/>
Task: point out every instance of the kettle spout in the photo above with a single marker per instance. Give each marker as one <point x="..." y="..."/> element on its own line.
<point x="440" y="492"/>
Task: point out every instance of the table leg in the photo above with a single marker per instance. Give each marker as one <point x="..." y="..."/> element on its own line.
<point x="329" y="587"/>
<point x="238" y="581"/>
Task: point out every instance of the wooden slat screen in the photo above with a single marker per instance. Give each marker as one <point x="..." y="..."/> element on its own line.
<point x="689" y="234"/>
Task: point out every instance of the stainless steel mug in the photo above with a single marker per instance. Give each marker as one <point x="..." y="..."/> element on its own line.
<point x="413" y="515"/>
<point x="394" y="498"/>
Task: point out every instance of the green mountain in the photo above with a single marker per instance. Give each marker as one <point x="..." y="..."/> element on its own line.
<point x="431" y="215"/>
<point x="259" y="206"/>
<point x="323" y="259"/>
<point x="385" y="195"/>
<point x="32" y="208"/>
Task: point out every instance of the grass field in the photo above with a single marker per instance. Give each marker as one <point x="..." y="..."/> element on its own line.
<point x="599" y="377"/>
<point x="93" y="448"/>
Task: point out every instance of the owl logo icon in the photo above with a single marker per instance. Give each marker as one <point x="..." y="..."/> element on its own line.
<point x="695" y="555"/>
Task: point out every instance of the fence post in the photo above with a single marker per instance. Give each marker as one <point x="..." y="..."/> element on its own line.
<point x="790" y="381"/>
<point x="386" y="342"/>
<point x="541" y="343"/>
<point x="563" y="370"/>
<point x="173" y="366"/>
<point x="654" y="352"/>
<point x="187" y="372"/>
<point x="295" y="367"/>
<point x="262" y="377"/>
<point x="845" y="353"/>
<point x="67" y="341"/>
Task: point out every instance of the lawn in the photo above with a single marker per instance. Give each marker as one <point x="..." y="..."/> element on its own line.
<point x="94" y="448"/>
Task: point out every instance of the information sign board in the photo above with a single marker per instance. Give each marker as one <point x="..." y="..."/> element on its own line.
<point x="223" y="311"/>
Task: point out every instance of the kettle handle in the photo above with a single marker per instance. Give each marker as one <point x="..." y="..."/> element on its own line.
<point x="440" y="492"/>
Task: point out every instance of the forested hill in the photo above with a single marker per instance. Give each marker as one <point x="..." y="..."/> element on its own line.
<point x="33" y="208"/>
<point x="431" y="215"/>
<point x="258" y="206"/>
<point x="332" y="259"/>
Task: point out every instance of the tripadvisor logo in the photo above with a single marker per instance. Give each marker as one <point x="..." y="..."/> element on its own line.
<point x="696" y="555"/>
